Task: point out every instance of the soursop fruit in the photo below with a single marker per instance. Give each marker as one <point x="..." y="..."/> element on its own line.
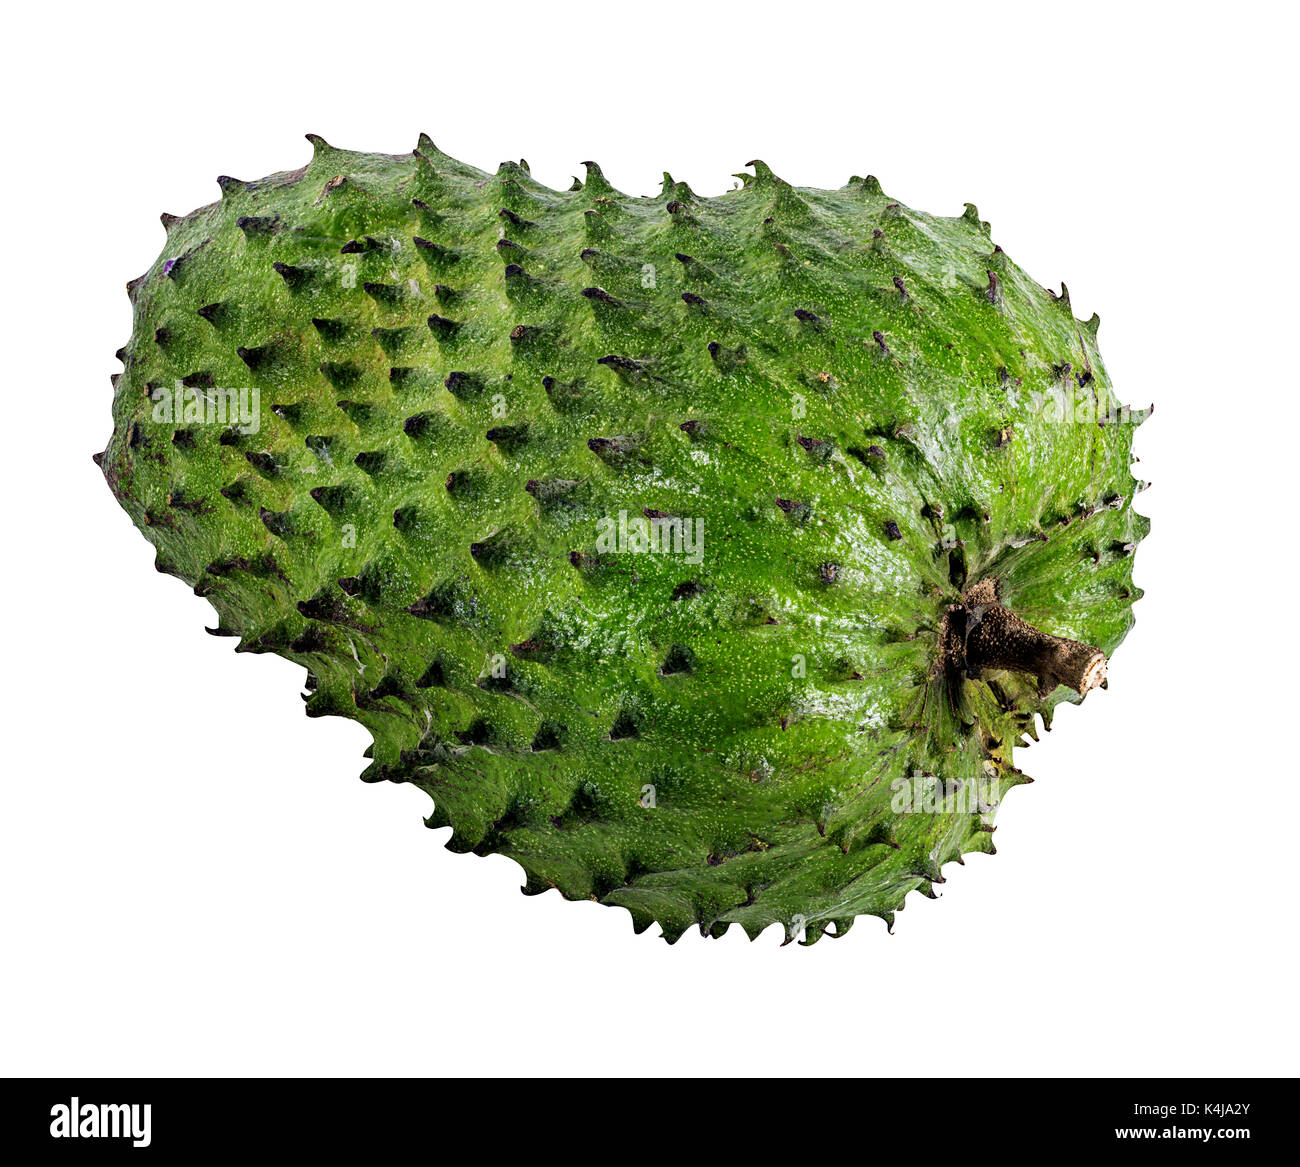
<point x="709" y="557"/>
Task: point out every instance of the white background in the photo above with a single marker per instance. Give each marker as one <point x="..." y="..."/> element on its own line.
<point x="193" y="881"/>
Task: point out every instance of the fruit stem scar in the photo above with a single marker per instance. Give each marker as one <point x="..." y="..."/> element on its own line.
<point x="981" y="634"/>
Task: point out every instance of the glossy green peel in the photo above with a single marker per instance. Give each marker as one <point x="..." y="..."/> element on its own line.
<point x="663" y="541"/>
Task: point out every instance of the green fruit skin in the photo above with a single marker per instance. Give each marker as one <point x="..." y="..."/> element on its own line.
<point x="865" y="406"/>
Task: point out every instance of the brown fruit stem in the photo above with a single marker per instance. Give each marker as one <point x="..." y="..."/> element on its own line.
<point x="983" y="634"/>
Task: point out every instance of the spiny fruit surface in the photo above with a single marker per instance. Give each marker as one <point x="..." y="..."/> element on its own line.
<point x="706" y="556"/>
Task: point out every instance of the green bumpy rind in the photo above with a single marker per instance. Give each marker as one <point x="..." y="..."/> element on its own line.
<point x="464" y="379"/>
